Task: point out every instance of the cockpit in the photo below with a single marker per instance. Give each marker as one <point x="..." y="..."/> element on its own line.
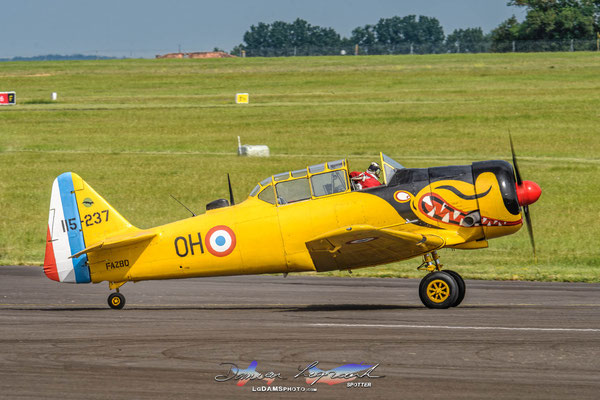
<point x="316" y="181"/>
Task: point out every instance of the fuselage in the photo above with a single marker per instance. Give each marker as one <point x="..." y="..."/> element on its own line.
<point x="267" y="233"/>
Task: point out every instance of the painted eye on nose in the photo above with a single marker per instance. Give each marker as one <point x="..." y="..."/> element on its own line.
<point x="402" y="196"/>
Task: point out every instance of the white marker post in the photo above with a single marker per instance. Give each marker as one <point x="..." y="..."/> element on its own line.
<point x="54" y="96"/>
<point x="249" y="150"/>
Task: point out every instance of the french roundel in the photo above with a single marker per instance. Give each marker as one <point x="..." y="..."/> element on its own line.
<point x="402" y="196"/>
<point x="220" y="241"/>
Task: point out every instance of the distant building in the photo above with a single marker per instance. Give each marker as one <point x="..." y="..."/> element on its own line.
<point x="202" y="54"/>
<point x="209" y="54"/>
<point x="170" y="55"/>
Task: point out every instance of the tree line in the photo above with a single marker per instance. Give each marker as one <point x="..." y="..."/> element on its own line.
<point x="557" y="22"/>
<point x="58" y="57"/>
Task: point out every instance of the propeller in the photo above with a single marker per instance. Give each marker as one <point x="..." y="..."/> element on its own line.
<point x="231" y="202"/>
<point x="528" y="192"/>
<point x="514" y="157"/>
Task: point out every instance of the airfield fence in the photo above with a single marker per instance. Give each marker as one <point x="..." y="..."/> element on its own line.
<point x="487" y="46"/>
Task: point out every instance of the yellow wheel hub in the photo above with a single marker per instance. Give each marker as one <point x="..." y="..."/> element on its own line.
<point x="438" y="291"/>
<point x="116" y="301"/>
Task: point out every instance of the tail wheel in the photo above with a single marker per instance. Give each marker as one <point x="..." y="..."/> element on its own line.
<point x="438" y="290"/>
<point x="461" y="286"/>
<point x="116" y="301"/>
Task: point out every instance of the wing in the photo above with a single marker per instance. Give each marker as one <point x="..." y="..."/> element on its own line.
<point x="364" y="245"/>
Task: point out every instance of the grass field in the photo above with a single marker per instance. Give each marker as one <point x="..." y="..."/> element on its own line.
<point x="139" y="130"/>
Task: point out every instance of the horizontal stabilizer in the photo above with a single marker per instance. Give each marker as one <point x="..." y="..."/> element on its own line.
<point x="117" y="241"/>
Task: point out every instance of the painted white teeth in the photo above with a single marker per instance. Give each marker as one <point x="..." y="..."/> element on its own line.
<point x="427" y="200"/>
<point x="456" y="214"/>
<point x="489" y="223"/>
<point x="446" y="218"/>
<point x="484" y="220"/>
<point x="443" y="206"/>
<point x="431" y="213"/>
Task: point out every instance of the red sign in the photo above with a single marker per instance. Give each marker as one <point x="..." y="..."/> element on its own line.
<point x="8" y="98"/>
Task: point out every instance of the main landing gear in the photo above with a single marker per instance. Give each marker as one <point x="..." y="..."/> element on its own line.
<point x="116" y="301"/>
<point x="440" y="289"/>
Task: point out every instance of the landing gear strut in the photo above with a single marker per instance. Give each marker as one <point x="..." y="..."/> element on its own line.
<point x="440" y="289"/>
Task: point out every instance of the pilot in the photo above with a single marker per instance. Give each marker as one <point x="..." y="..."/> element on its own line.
<point x="367" y="179"/>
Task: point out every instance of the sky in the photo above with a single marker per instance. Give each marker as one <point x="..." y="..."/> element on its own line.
<point x="144" y="28"/>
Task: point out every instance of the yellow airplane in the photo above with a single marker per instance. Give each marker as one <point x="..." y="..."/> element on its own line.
<point x="311" y="219"/>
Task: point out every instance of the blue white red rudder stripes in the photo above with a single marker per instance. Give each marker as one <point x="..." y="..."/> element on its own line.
<point x="65" y="237"/>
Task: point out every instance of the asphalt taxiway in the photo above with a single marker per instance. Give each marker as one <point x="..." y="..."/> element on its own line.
<point x="507" y="340"/>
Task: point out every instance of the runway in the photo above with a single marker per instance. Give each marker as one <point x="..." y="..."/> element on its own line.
<point x="507" y="340"/>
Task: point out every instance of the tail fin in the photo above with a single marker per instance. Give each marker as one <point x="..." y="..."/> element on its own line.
<point x="79" y="217"/>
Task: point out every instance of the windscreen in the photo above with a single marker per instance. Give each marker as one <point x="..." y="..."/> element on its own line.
<point x="389" y="166"/>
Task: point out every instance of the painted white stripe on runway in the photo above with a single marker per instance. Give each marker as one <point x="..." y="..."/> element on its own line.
<point x="475" y="328"/>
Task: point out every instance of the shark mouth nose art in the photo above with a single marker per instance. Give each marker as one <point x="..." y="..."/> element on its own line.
<point x="435" y="207"/>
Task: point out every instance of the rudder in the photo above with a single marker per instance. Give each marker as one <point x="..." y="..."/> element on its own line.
<point x="78" y="217"/>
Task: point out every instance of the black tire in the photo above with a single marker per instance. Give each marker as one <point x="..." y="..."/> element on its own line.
<point x="116" y="301"/>
<point x="462" y="287"/>
<point x="438" y="290"/>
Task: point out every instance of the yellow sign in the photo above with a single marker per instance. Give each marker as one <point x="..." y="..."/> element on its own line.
<point x="241" y="98"/>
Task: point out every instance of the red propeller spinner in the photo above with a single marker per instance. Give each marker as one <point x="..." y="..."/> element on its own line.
<point x="528" y="192"/>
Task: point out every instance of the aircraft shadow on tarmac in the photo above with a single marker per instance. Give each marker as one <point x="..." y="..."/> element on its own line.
<point x="349" y="307"/>
<point x="229" y="307"/>
<point x="267" y="307"/>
